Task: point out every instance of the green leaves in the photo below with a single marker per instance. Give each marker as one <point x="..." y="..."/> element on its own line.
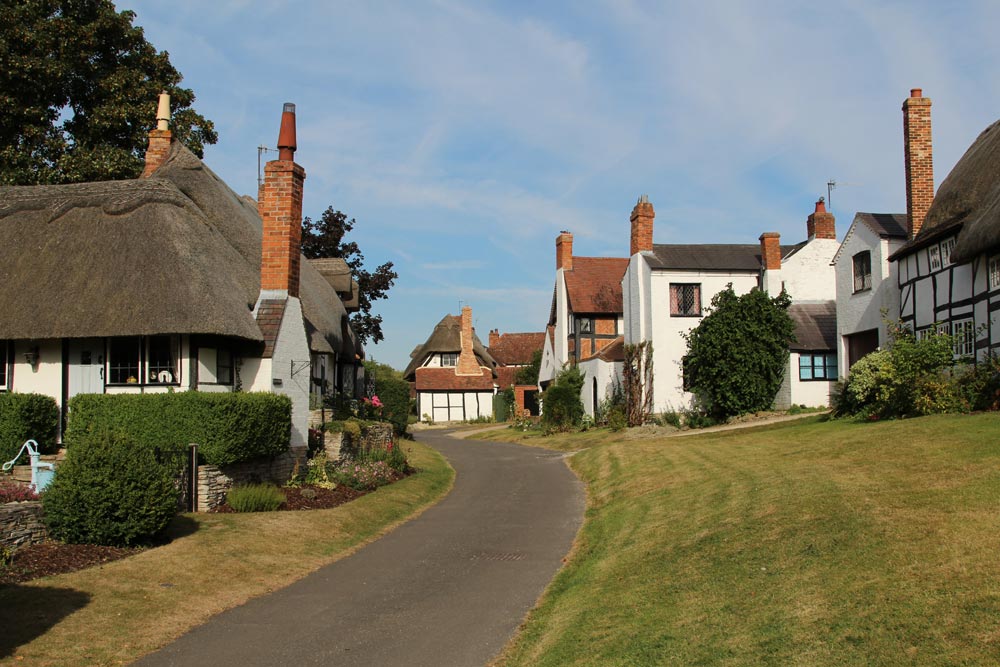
<point x="737" y="354"/>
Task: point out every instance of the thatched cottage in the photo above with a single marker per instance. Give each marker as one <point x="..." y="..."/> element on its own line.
<point x="171" y="282"/>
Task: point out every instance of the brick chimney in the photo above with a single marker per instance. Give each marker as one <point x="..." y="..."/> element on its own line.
<point x="160" y="138"/>
<point x="770" y="259"/>
<point x="564" y="251"/>
<point x="467" y="364"/>
<point x="642" y="226"/>
<point x="821" y="224"/>
<point x="919" y="158"/>
<point x="280" y="208"/>
<point x="494" y="337"/>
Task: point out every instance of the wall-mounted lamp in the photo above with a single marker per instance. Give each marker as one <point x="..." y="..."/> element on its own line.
<point x="31" y="356"/>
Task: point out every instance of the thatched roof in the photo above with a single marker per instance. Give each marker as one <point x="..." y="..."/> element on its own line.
<point x="447" y="337"/>
<point x="175" y="253"/>
<point x="967" y="202"/>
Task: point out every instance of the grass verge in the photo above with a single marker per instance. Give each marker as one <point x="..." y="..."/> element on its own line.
<point x="807" y="543"/>
<point x="115" y="613"/>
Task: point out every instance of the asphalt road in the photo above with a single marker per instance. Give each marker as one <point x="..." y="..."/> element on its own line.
<point x="447" y="589"/>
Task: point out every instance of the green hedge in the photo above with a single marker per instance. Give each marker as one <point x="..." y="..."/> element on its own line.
<point x="27" y="417"/>
<point x="228" y="427"/>
<point x="110" y="492"/>
<point x="395" y="396"/>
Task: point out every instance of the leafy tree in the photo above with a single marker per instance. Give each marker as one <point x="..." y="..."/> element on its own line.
<point x="78" y="93"/>
<point x="529" y="374"/>
<point x="736" y="356"/>
<point x="325" y="238"/>
<point x="562" y="407"/>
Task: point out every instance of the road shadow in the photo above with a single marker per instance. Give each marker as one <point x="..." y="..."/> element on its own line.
<point x="28" y="612"/>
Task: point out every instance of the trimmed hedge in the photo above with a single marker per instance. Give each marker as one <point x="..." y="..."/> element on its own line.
<point x="110" y="492"/>
<point x="228" y="427"/>
<point x="395" y="396"/>
<point x="27" y="417"/>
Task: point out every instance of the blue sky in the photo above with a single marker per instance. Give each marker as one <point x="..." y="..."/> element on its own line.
<point x="464" y="136"/>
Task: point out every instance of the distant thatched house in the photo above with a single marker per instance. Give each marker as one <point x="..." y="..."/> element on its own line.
<point x="452" y="373"/>
<point x="155" y="284"/>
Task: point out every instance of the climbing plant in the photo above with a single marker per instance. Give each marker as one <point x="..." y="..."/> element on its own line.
<point x="637" y="377"/>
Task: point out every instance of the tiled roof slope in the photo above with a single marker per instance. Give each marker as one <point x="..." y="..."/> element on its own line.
<point x="594" y="284"/>
<point x="708" y="257"/>
<point x="886" y="225"/>
<point x="516" y="348"/>
<point x="269" y="315"/>
<point x="815" y="326"/>
<point x="444" y="379"/>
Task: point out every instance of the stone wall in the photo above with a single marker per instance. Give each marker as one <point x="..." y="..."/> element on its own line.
<point x="375" y="436"/>
<point x="21" y="524"/>
<point x="215" y="481"/>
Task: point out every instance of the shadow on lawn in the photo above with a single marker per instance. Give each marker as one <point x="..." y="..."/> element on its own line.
<point x="27" y="612"/>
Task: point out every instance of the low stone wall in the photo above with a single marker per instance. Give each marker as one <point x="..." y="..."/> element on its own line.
<point x="332" y="443"/>
<point x="21" y="524"/>
<point x="215" y="481"/>
<point x="375" y="436"/>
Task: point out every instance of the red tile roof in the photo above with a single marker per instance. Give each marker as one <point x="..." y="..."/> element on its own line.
<point x="613" y="351"/>
<point x="594" y="284"/>
<point x="517" y="348"/>
<point x="445" y="379"/>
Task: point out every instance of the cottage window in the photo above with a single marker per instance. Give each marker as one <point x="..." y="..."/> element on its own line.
<point x="818" y="366"/>
<point x="585" y="325"/>
<point x="124" y="360"/>
<point x="4" y="361"/>
<point x="161" y="353"/>
<point x="863" y="271"/>
<point x="946" y="247"/>
<point x="963" y="337"/>
<point x="994" y="272"/>
<point x="934" y="253"/>
<point x="685" y="300"/>
<point x="215" y="365"/>
<point x="449" y="358"/>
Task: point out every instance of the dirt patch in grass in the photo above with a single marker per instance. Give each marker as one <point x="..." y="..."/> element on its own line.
<point x="47" y="558"/>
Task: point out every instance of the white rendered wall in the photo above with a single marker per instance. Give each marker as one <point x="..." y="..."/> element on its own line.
<point x="862" y="311"/>
<point x="606" y="373"/>
<point x="810" y="393"/>
<point x="549" y="367"/>
<point x="291" y="352"/>
<point x="43" y="378"/>
<point x="808" y="274"/>
<point x="637" y="317"/>
<point x="669" y="347"/>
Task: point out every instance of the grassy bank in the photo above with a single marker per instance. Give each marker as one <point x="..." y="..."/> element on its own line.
<point x="809" y="543"/>
<point x="113" y="614"/>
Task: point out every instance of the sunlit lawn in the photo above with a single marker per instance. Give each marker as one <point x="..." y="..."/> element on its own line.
<point x="808" y="543"/>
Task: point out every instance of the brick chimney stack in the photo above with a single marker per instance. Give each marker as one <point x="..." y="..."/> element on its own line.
<point x="160" y="138"/>
<point x="467" y="364"/>
<point x="280" y="208"/>
<point x="770" y="259"/>
<point x="642" y="226"/>
<point x="564" y="251"/>
<point x="919" y="158"/>
<point x="821" y="224"/>
<point x="494" y="337"/>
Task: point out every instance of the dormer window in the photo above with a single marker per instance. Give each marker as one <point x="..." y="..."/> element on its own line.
<point x="449" y="358"/>
<point x="934" y="257"/>
<point x="863" y="271"/>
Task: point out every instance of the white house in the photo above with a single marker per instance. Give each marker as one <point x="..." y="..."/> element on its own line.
<point x="169" y="282"/>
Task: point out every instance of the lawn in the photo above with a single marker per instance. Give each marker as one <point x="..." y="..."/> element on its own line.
<point x="115" y="613"/>
<point x="809" y="543"/>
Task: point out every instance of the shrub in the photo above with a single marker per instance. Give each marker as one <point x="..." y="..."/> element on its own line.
<point x="363" y="475"/>
<point x="255" y="498"/>
<point x="395" y="396"/>
<point x="562" y="408"/>
<point x="316" y="473"/>
<point x="671" y="418"/>
<point x="228" y="427"/>
<point x="12" y="492"/>
<point x="617" y="419"/>
<point x="27" y="417"/>
<point x="109" y="491"/>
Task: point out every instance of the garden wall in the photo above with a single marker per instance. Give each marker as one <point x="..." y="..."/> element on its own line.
<point x="21" y="524"/>
<point x="215" y="481"/>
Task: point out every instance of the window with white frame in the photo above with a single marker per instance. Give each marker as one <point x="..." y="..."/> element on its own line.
<point x="946" y="247"/>
<point x="161" y="359"/>
<point x="818" y="366"/>
<point x="925" y="333"/>
<point x="995" y="272"/>
<point x="685" y="299"/>
<point x="863" y="271"/>
<point x="449" y="358"/>
<point x="934" y="256"/>
<point x="963" y="337"/>
<point x="585" y="325"/>
<point x="215" y="365"/>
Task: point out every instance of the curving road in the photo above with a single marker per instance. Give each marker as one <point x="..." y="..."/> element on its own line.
<point x="446" y="589"/>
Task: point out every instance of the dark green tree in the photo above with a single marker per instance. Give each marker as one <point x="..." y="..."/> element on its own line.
<point x="78" y="93"/>
<point x="736" y="356"/>
<point x="324" y="239"/>
<point x="529" y="374"/>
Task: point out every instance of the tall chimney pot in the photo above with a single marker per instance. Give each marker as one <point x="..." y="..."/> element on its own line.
<point x="919" y="159"/>
<point x="286" y="135"/>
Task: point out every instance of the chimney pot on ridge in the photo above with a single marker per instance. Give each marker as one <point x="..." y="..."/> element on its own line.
<point x="286" y="135"/>
<point x="821" y="224"/>
<point x="280" y="209"/>
<point x="159" y="139"/>
<point x="642" y="226"/>
<point x="919" y="159"/>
